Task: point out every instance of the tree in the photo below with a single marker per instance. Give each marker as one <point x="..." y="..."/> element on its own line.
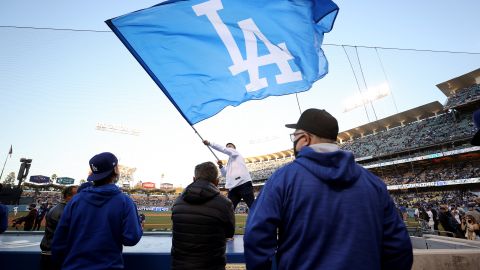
<point x="82" y="181"/>
<point x="9" y="179"/>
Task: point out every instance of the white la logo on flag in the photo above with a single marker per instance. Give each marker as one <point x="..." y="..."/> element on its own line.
<point x="279" y="54"/>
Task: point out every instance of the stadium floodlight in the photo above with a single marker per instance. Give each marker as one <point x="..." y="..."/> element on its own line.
<point x="117" y="129"/>
<point x="372" y="94"/>
<point x="25" y="164"/>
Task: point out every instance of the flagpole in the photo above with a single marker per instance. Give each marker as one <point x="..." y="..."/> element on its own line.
<point x="298" y="103"/>
<point x="205" y="145"/>
<point x="5" y="163"/>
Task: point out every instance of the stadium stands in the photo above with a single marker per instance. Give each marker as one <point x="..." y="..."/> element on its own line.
<point x="455" y="197"/>
<point x="144" y="201"/>
<point x="466" y="95"/>
<point x="423" y="133"/>
<point x="432" y="172"/>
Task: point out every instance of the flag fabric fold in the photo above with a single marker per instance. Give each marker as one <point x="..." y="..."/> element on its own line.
<point x="11" y="151"/>
<point x="206" y="55"/>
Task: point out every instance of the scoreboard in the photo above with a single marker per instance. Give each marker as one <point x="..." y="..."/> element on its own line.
<point x="65" y="180"/>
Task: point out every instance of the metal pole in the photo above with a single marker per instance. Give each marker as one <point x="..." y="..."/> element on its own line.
<point x="205" y="145"/>
<point x="1" y="174"/>
<point x="298" y="103"/>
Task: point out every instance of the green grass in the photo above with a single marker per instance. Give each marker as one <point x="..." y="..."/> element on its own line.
<point x="161" y="221"/>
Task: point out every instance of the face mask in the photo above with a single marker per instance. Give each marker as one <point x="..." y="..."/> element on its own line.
<point x="295" y="152"/>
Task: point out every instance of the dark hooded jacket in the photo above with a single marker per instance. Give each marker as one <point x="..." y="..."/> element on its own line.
<point x="52" y="219"/>
<point x="202" y="220"/>
<point x="94" y="227"/>
<point x="330" y="213"/>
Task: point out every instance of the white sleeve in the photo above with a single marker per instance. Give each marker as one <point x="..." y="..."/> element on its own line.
<point x="227" y="151"/>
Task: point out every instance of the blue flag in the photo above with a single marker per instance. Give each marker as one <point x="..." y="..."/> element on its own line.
<point x="208" y="54"/>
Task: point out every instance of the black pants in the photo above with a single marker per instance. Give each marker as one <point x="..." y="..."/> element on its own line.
<point x="36" y="225"/>
<point x="47" y="263"/>
<point x="244" y="191"/>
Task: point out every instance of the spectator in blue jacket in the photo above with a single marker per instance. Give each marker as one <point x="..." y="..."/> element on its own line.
<point x="97" y="222"/>
<point x="324" y="211"/>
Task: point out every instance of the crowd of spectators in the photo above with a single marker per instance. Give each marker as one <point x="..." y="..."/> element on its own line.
<point x="458" y="212"/>
<point x="458" y="198"/>
<point x="417" y="153"/>
<point x="43" y="197"/>
<point x="438" y="129"/>
<point x="143" y="200"/>
<point x="432" y="172"/>
<point x="463" y="96"/>
<point x="263" y="170"/>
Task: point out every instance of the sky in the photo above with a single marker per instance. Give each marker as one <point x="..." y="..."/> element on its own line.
<point x="57" y="85"/>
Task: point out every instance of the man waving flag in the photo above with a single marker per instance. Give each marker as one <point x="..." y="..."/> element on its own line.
<point x="209" y="54"/>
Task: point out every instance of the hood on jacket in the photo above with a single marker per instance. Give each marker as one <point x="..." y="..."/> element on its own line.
<point x="333" y="168"/>
<point x="200" y="192"/>
<point x="98" y="196"/>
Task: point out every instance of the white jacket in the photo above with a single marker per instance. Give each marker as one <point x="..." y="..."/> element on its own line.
<point x="235" y="172"/>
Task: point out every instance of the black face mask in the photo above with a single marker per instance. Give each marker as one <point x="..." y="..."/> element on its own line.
<point x="295" y="152"/>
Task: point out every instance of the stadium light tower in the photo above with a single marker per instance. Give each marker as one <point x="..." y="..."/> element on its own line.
<point x="24" y="169"/>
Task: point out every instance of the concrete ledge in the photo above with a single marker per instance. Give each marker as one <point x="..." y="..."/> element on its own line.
<point x="442" y="242"/>
<point x="473" y="243"/>
<point x="446" y="259"/>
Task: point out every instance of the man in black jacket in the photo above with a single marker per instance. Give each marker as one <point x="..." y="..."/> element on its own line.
<point x="52" y="219"/>
<point x="202" y="221"/>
